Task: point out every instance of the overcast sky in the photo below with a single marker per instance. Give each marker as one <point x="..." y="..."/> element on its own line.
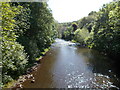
<point x="72" y="10"/>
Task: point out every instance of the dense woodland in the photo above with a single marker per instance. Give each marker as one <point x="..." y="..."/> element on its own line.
<point x="29" y="28"/>
<point x="99" y="30"/>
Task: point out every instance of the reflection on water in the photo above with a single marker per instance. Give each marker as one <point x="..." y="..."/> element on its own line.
<point x="68" y="66"/>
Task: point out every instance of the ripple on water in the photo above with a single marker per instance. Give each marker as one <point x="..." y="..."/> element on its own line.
<point x="102" y="81"/>
<point x="68" y="66"/>
<point x="96" y="81"/>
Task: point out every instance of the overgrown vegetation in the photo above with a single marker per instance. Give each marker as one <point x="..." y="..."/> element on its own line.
<point x="28" y="28"/>
<point x="99" y="30"/>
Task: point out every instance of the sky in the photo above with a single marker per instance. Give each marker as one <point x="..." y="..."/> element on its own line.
<point x="72" y="10"/>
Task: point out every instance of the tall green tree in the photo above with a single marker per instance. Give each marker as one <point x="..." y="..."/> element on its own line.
<point x="42" y="31"/>
<point x="14" y="58"/>
<point x="106" y="31"/>
<point x="28" y="28"/>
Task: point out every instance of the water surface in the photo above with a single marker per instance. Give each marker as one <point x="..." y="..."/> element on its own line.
<point x="69" y="66"/>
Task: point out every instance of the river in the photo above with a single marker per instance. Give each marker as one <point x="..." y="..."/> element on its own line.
<point x="69" y="66"/>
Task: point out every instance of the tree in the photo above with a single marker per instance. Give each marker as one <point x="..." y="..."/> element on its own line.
<point x="14" y="58"/>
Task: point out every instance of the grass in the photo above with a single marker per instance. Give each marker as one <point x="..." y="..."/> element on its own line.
<point x="43" y="53"/>
<point x="10" y="84"/>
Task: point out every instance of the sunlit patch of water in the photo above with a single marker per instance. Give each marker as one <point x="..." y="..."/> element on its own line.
<point x="87" y="81"/>
<point x="59" y="42"/>
<point x="102" y="81"/>
<point x="69" y="66"/>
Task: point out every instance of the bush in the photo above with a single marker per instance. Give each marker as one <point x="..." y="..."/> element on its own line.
<point x="14" y="58"/>
<point x="81" y="35"/>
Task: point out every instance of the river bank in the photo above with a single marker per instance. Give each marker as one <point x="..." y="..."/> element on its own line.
<point x="17" y="83"/>
<point x="66" y="65"/>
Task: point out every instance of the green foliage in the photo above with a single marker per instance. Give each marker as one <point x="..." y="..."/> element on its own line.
<point x="106" y="30"/>
<point x="23" y="18"/>
<point x="88" y="22"/>
<point x="74" y="25"/>
<point x="42" y="30"/>
<point x="81" y="35"/>
<point x="68" y="30"/>
<point x="14" y="58"/>
<point x="63" y="31"/>
<point x="28" y="29"/>
<point x="99" y="30"/>
<point x="68" y="34"/>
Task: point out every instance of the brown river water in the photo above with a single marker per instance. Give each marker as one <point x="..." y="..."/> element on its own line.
<point x="69" y="66"/>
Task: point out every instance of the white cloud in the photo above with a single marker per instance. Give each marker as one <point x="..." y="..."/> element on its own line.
<point x="71" y="10"/>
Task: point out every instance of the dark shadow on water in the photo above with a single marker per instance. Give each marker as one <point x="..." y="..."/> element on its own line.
<point x="69" y="66"/>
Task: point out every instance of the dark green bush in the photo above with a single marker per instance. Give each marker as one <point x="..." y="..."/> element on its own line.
<point x="28" y="29"/>
<point x="14" y="58"/>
